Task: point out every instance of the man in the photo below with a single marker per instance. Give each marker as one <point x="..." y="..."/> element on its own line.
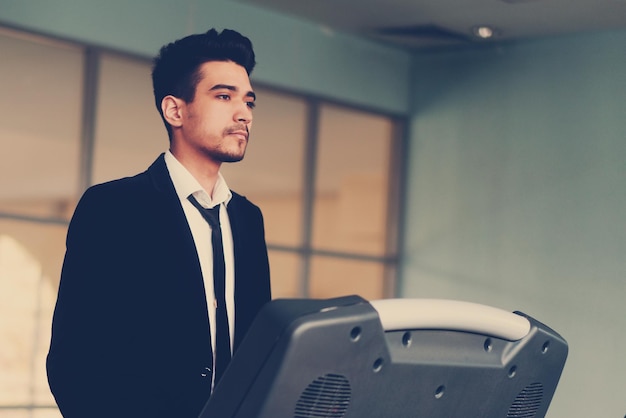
<point x="134" y="329"/>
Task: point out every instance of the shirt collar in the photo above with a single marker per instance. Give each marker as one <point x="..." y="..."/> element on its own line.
<point x="186" y="184"/>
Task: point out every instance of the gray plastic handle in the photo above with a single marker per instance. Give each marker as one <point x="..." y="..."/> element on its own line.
<point x="407" y="314"/>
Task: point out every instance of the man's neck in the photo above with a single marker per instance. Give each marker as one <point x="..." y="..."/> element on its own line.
<point x="205" y="172"/>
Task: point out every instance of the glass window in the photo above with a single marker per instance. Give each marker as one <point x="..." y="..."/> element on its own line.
<point x="30" y="267"/>
<point x="41" y="84"/>
<point x="129" y="133"/>
<point x="334" y="277"/>
<point x="285" y="270"/>
<point x="351" y="185"/>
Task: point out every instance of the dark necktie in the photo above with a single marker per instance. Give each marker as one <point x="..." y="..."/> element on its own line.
<point x="222" y="336"/>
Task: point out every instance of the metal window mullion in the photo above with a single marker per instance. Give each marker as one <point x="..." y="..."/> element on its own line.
<point x="395" y="210"/>
<point x="88" y="121"/>
<point x="308" y="194"/>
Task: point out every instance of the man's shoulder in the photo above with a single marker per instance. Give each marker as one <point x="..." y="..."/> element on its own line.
<point x="242" y="202"/>
<point x="132" y="185"/>
<point x="118" y="187"/>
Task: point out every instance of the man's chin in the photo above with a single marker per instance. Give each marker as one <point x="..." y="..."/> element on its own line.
<point x="232" y="158"/>
<point x="226" y="157"/>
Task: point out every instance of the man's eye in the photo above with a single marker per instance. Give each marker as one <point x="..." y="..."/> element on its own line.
<point x="223" y="96"/>
<point x="251" y="105"/>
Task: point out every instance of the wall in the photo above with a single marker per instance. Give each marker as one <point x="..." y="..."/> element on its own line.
<point x="291" y="54"/>
<point x="517" y="197"/>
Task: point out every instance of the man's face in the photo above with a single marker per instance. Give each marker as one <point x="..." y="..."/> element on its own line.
<point x="217" y="122"/>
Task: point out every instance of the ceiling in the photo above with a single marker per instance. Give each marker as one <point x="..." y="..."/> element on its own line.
<point x="426" y="24"/>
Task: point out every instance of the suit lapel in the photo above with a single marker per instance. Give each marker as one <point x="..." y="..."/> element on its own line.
<point x="176" y="232"/>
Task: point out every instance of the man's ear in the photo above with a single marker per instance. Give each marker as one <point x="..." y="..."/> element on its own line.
<point x="172" y="110"/>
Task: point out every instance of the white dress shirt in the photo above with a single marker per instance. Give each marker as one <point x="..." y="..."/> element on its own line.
<point x="186" y="185"/>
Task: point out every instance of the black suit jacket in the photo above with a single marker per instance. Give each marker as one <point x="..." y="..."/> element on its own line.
<point x="130" y="335"/>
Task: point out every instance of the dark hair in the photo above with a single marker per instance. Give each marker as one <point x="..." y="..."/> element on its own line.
<point x="176" y="68"/>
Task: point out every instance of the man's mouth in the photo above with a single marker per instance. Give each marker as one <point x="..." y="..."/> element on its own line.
<point x="241" y="132"/>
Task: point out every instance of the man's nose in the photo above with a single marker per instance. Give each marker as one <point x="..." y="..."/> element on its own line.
<point x="243" y="114"/>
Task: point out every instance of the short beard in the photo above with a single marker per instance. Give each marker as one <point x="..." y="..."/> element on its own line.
<point x="229" y="158"/>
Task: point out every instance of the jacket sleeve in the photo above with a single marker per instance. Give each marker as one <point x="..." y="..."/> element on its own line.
<point x="100" y="363"/>
<point x="83" y="377"/>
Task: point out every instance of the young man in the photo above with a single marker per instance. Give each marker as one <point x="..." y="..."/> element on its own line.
<point x="137" y="325"/>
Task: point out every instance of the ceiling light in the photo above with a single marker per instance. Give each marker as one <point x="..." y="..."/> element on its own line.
<point x="484" y="32"/>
